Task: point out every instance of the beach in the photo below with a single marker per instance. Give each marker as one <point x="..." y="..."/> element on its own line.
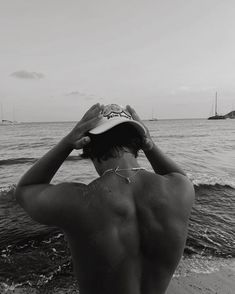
<point x="36" y="259"/>
<point x="219" y="280"/>
<point x="170" y="64"/>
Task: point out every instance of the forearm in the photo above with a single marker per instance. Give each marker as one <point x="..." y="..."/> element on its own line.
<point x="45" y="168"/>
<point x="160" y="162"/>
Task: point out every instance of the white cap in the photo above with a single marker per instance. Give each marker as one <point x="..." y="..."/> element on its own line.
<point x="114" y="115"/>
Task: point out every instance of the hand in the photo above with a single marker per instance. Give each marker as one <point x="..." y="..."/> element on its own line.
<point x="147" y="140"/>
<point x="77" y="138"/>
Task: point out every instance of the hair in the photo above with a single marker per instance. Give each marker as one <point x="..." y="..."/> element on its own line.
<point x="123" y="137"/>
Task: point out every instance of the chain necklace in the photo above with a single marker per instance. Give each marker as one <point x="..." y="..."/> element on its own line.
<point x="117" y="169"/>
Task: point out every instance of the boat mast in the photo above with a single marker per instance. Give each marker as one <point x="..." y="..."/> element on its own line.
<point x="216" y="103"/>
<point x="1" y="113"/>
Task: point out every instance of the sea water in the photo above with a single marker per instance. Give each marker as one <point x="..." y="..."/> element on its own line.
<point x="37" y="256"/>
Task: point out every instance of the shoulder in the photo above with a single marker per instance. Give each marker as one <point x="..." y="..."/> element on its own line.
<point x="72" y="187"/>
<point x="175" y="188"/>
<point x="57" y="204"/>
<point x="64" y="190"/>
<point x="180" y="183"/>
<point x="181" y="194"/>
<point x="71" y="196"/>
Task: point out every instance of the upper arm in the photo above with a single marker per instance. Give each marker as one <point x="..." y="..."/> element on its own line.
<point x="49" y="204"/>
<point x="182" y="190"/>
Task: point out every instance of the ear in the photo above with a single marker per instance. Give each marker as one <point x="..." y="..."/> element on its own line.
<point x="82" y="142"/>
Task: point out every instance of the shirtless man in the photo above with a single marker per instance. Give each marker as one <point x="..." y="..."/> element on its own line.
<point x="126" y="229"/>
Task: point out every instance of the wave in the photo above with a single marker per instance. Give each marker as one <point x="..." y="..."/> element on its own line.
<point x="20" y="160"/>
<point x="198" y="186"/>
<point x="200" y="189"/>
<point x="217" y="186"/>
<point x="32" y="145"/>
<point x="211" y="227"/>
<point x="42" y="259"/>
<point x="211" y="181"/>
<point x="24" y="160"/>
<point x="44" y="255"/>
<point x="211" y="224"/>
<point x="180" y="136"/>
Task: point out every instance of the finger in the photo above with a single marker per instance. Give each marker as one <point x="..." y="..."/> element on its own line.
<point x="82" y="142"/>
<point x="93" y="111"/>
<point x="98" y="108"/>
<point x="131" y="110"/>
<point x="86" y="124"/>
<point x="90" y="124"/>
<point x="137" y="118"/>
<point x="94" y="106"/>
<point x="133" y="113"/>
<point x="90" y="110"/>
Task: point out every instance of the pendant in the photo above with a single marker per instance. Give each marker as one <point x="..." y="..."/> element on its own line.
<point x="128" y="180"/>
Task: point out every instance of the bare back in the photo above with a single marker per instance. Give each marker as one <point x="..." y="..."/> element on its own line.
<point x="125" y="238"/>
<point x="128" y="238"/>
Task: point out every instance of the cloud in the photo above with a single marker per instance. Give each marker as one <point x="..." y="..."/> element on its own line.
<point x="30" y="75"/>
<point x="81" y="95"/>
<point x="74" y="93"/>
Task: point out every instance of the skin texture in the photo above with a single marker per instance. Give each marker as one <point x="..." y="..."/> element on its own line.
<point x="125" y="238"/>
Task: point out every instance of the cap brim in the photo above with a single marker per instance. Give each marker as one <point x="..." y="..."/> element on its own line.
<point x="106" y="125"/>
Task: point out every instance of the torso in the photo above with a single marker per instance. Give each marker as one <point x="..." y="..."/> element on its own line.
<point x="128" y="238"/>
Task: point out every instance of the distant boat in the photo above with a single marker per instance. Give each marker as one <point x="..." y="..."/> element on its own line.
<point x="6" y="121"/>
<point x="153" y="118"/>
<point x="216" y="116"/>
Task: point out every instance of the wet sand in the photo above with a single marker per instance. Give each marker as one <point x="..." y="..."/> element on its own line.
<point x="219" y="281"/>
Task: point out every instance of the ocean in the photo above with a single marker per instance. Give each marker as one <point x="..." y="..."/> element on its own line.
<point x="36" y="256"/>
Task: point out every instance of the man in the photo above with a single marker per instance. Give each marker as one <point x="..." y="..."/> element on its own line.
<point x="127" y="229"/>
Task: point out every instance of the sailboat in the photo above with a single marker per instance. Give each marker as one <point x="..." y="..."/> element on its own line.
<point x="216" y="116"/>
<point x="5" y="121"/>
<point x="153" y="118"/>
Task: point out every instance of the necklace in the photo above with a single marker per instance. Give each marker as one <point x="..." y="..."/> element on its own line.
<point x="117" y="169"/>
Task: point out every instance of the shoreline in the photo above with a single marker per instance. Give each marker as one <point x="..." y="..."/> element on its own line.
<point x="217" y="277"/>
<point x="221" y="281"/>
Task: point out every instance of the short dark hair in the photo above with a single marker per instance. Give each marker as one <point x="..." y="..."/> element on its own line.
<point x="109" y="144"/>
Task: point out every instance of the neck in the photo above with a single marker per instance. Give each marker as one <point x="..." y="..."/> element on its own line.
<point x="124" y="161"/>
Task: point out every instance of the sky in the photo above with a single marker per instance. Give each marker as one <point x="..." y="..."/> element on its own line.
<point x="166" y="58"/>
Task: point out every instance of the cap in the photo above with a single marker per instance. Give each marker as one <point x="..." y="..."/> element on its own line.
<point x="113" y="115"/>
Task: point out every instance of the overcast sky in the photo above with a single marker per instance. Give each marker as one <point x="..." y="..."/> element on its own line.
<point x="166" y="57"/>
